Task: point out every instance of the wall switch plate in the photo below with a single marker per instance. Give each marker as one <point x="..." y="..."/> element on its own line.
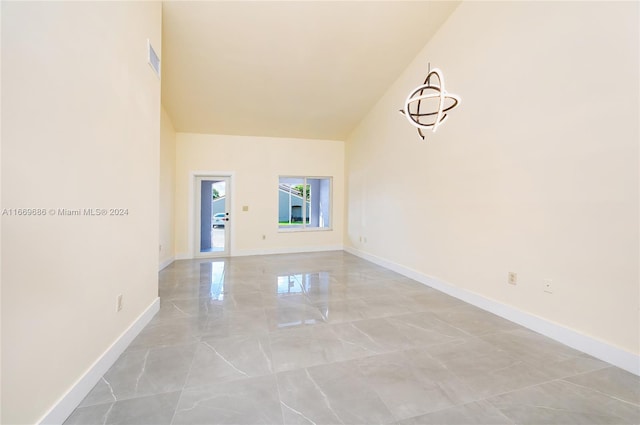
<point x="512" y="278"/>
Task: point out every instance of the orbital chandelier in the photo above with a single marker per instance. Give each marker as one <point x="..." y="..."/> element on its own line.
<point x="429" y="91"/>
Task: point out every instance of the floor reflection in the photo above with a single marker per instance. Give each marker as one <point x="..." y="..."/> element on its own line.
<point x="304" y="291"/>
<point x="289" y="284"/>
<point x="212" y="274"/>
<point x="316" y="284"/>
<point x="301" y="299"/>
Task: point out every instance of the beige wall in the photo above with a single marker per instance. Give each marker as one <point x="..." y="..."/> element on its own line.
<point x="256" y="163"/>
<point x="167" y="188"/>
<point x="80" y="129"/>
<point x="536" y="172"/>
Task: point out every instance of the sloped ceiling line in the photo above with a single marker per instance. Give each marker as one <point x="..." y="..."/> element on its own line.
<point x="303" y="69"/>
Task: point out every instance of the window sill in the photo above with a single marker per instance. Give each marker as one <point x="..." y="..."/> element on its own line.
<point x="306" y="229"/>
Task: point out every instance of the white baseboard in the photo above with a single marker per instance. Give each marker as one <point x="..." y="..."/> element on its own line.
<point x="589" y="345"/>
<point x="166" y="263"/>
<point x="287" y="250"/>
<point x="270" y="251"/>
<point x="67" y="403"/>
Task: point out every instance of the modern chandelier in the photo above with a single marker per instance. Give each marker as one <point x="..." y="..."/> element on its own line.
<point x="427" y="93"/>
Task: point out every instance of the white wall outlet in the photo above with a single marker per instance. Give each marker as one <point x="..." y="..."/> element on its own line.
<point x="548" y="286"/>
<point x="512" y="278"/>
<point x="119" y="303"/>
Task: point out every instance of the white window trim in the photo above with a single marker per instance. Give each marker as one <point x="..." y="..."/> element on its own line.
<point x="303" y="227"/>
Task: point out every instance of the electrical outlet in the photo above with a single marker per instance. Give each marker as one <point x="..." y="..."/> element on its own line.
<point x="119" y="303"/>
<point x="512" y="278"/>
<point x="264" y="237"/>
<point x="548" y="286"/>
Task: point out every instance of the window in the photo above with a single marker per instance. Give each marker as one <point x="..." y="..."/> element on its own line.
<point x="304" y="203"/>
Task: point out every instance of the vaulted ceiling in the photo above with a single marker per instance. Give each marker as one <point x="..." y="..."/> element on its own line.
<point x="301" y="69"/>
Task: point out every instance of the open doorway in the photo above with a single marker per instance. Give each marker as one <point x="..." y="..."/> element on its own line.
<point x="212" y="216"/>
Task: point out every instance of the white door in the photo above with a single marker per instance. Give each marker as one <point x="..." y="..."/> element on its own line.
<point x="213" y="203"/>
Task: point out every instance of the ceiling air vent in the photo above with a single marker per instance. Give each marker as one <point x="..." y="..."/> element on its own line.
<point x="153" y="58"/>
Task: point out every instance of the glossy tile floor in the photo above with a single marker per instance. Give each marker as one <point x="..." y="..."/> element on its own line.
<point x="328" y="338"/>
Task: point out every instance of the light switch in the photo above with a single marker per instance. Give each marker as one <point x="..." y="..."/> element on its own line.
<point x="245" y="208"/>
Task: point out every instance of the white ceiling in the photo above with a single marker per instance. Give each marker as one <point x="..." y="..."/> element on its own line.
<point x="302" y="69"/>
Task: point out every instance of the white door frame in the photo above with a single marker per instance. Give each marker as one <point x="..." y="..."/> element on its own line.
<point x="194" y="252"/>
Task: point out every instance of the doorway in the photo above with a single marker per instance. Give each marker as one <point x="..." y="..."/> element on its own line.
<point x="213" y="204"/>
